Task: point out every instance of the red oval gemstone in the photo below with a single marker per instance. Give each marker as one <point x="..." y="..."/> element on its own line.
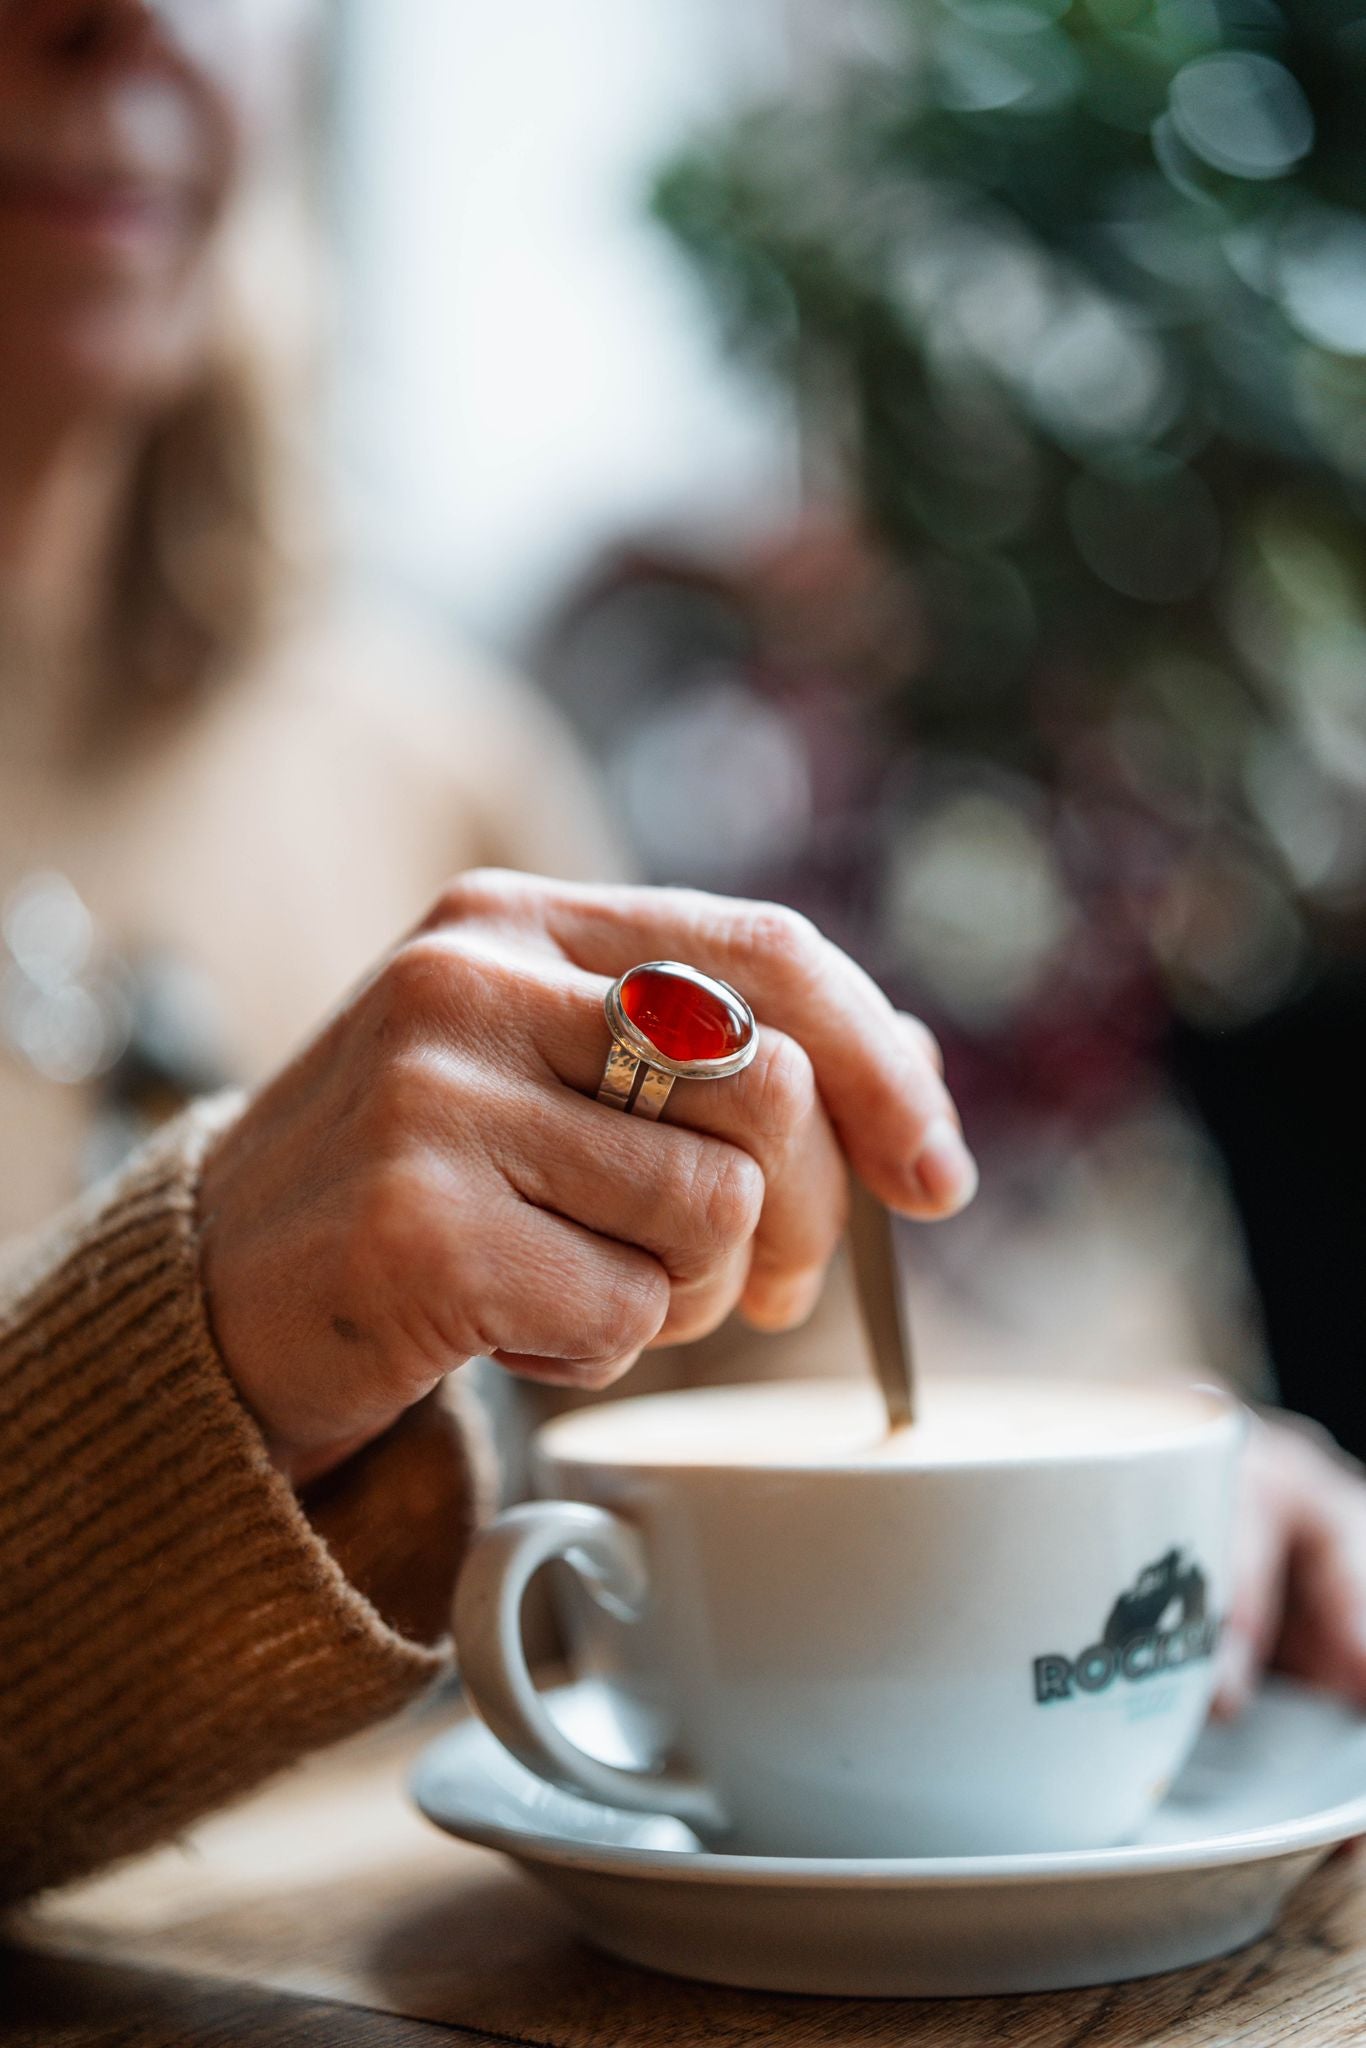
<point x="684" y="1019"/>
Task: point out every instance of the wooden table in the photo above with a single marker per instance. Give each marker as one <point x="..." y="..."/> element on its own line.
<point x="326" y="1913"/>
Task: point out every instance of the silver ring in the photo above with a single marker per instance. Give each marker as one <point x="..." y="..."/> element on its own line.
<point x="670" y="1022"/>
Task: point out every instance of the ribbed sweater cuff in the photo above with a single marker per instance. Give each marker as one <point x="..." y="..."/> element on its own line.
<point x="172" y="1628"/>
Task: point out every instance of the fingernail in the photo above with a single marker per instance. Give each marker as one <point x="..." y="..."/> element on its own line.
<point x="946" y="1169"/>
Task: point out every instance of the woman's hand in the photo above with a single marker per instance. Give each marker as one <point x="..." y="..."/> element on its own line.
<point x="1299" y="1592"/>
<point x="431" y="1179"/>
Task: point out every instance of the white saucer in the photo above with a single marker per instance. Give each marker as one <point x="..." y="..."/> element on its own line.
<point x="1261" y="1803"/>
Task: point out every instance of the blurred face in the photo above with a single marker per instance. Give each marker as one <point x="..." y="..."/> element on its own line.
<point x="125" y="127"/>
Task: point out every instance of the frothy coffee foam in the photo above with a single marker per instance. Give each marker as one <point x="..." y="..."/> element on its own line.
<point x="963" y="1420"/>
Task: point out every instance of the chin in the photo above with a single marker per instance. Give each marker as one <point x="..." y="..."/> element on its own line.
<point x="74" y="358"/>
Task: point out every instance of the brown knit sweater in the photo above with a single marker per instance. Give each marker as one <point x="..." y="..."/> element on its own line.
<point x="175" y="1624"/>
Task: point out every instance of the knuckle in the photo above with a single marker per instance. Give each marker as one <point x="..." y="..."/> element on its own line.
<point x="924" y="1040"/>
<point x="727" y="1197"/>
<point x="782" y="1088"/>
<point x="432" y="982"/>
<point x="414" y="981"/>
<point x="476" y="893"/>
<point x="634" y="1306"/>
<point x="781" y="938"/>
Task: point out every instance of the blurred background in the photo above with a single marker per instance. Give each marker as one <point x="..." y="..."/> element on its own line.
<point x="921" y="444"/>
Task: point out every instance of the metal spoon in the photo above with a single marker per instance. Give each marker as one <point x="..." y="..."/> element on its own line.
<point x="877" y="1281"/>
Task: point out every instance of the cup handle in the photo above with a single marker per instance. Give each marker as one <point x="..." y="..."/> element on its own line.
<point x="608" y="1556"/>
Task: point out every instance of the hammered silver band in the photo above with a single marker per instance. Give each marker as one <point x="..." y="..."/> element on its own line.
<point x="629" y="1083"/>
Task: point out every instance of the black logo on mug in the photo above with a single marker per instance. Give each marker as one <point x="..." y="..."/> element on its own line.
<point x="1160" y="1623"/>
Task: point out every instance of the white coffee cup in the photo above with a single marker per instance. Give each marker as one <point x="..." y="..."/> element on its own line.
<point x="993" y="1632"/>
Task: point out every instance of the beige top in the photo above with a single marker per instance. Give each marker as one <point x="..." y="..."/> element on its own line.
<point x="279" y="839"/>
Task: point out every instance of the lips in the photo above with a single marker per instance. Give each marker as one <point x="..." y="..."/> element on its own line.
<point x="107" y="205"/>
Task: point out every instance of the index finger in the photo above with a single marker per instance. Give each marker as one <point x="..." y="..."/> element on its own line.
<point x="894" y="1116"/>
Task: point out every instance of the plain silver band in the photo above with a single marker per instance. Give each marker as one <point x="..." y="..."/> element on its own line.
<point x="632" y="1084"/>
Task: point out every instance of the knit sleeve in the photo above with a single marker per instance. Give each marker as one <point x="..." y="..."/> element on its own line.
<point x="174" y="1626"/>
